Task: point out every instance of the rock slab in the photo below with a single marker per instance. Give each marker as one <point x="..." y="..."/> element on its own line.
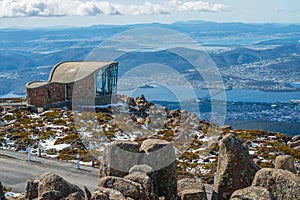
<point x="285" y="162"/>
<point x="252" y="193"/>
<point x="282" y="184"/>
<point x="235" y="169"/>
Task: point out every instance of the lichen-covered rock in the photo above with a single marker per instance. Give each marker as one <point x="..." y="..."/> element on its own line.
<point x="236" y="169"/>
<point x="190" y="183"/>
<point x="252" y="193"/>
<point x="192" y="194"/>
<point x="126" y="187"/>
<point x="52" y="182"/>
<point x="285" y="162"/>
<point x="31" y="189"/>
<point x="75" y="196"/>
<point x="145" y="181"/>
<point x="102" y="193"/>
<point x="99" y="196"/>
<point x="118" y="158"/>
<point x="51" y="195"/>
<point x="160" y="156"/>
<point x="1" y="192"/>
<point x="282" y="184"/>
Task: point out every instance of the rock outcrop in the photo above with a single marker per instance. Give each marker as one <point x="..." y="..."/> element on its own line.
<point x="236" y="169"/>
<point x="252" y="193"/>
<point x="160" y="156"/>
<point x="285" y="162"/>
<point x="1" y="192"/>
<point x="154" y="158"/>
<point x="282" y="184"/>
<point x="118" y="158"/>
<point x="52" y="182"/>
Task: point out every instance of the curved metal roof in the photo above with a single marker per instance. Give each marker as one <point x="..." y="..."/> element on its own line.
<point x="71" y="71"/>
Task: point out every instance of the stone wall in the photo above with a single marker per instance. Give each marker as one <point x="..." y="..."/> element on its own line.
<point x="83" y="92"/>
<point x="47" y="94"/>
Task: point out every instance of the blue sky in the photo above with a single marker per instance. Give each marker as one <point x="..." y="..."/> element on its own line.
<point x="29" y="13"/>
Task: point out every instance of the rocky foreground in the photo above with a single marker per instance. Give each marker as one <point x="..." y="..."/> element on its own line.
<point x="148" y="172"/>
<point x="148" y="152"/>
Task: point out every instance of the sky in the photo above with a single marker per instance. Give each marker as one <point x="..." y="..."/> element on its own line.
<point x="42" y="13"/>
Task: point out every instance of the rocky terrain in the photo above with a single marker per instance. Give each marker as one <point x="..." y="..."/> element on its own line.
<point x="168" y="153"/>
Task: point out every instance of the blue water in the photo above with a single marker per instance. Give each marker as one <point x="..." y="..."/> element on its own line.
<point x="174" y="94"/>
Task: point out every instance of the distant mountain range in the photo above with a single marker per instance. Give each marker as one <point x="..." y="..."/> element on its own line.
<point x="29" y="54"/>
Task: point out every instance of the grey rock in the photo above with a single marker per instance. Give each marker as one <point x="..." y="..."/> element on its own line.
<point x="192" y="194"/>
<point x="53" y="182"/>
<point x="252" y="193"/>
<point x="1" y="192"/>
<point x="31" y="189"/>
<point x="51" y="195"/>
<point x="126" y="187"/>
<point x="75" y="196"/>
<point x="111" y="194"/>
<point x="282" y="184"/>
<point x="87" y="193"/>
<point x="145" y="169"/>
<point x="145" y="181"/>
<point x="285" y="162"/>
<point x="235" y="169"/>
<point x="118" y="158"/>
<point x="190" y="183"/>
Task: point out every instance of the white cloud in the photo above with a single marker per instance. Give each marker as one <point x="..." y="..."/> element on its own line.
<point x="27" y="8"/>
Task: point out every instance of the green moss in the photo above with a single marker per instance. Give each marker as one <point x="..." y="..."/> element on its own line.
<point x="189" y="156"/>
<point x="266" y="165"/>
<point x="68" y="138"/>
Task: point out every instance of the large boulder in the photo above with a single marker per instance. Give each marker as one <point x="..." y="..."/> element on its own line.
<point x="31" y="189"/>
<point x="52" y="182"/>
<point x="235" y="169"/>
<point x="118" y="158"/>
<point x="252" y="193"/>
<point x="102" y="193"/>
<point x="285" y="162"/>
<point x="126" y="187"/>
<point x="1" y="192"/>
<point x="145" y="181"/>
<point x="160" y="156"/>
<point x="282" y="184"/>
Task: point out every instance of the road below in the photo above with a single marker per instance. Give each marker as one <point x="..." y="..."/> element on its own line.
<point x="15" y="171"/>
